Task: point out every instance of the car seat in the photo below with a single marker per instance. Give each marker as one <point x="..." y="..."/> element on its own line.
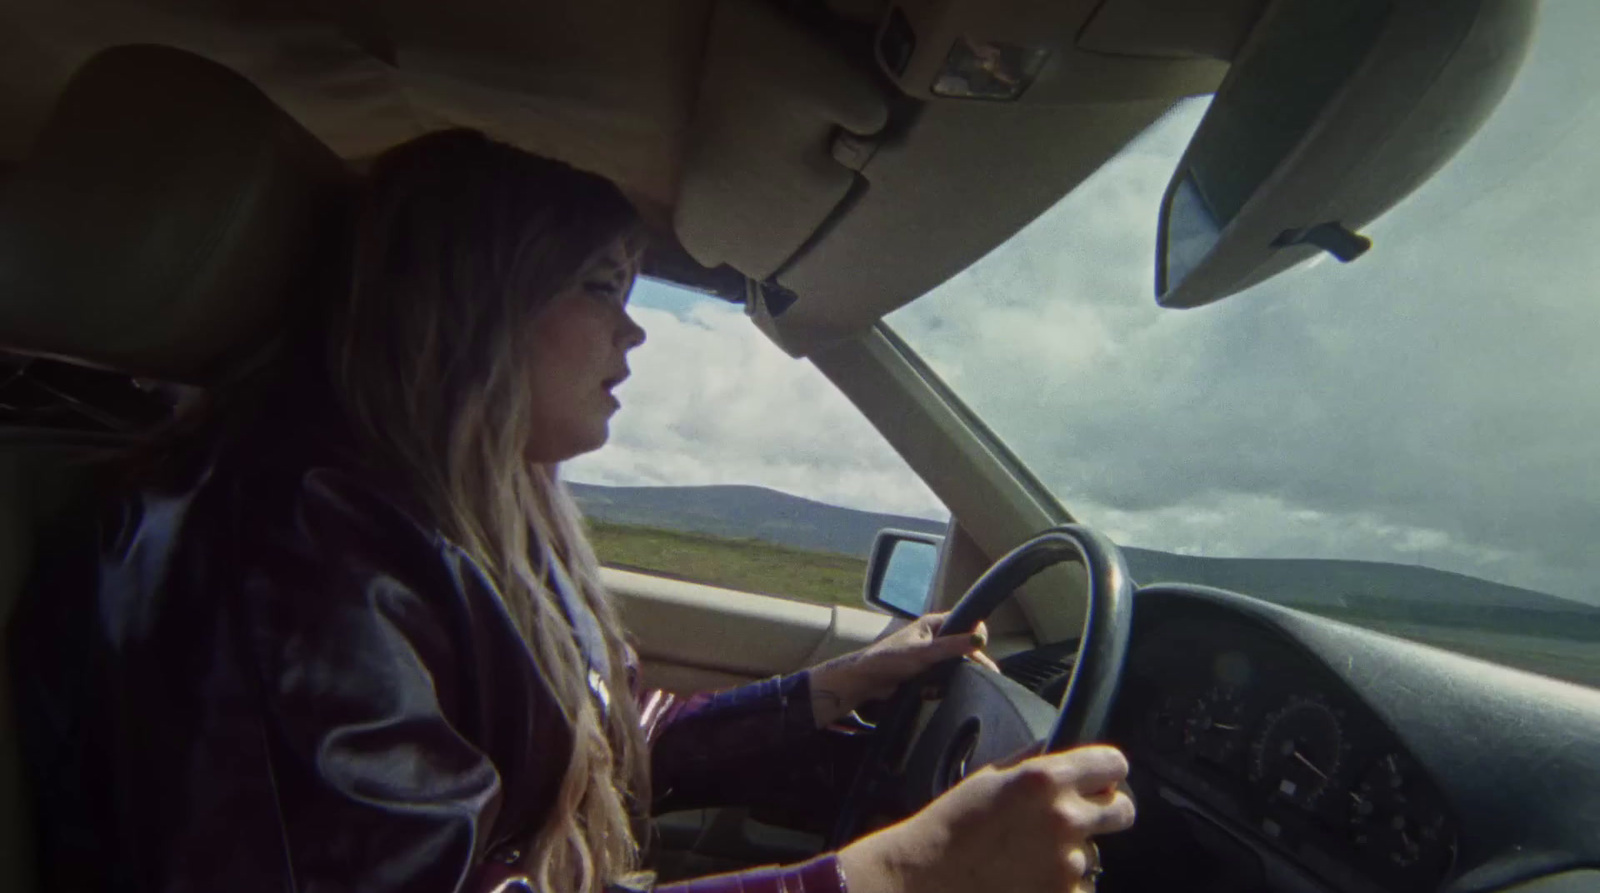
<point x="168" y="222"/>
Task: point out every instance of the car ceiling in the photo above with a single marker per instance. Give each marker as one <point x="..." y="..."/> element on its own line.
<point x="765" y="134"/>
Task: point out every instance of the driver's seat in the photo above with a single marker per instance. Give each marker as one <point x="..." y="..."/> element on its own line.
<point x="167" y="221"/>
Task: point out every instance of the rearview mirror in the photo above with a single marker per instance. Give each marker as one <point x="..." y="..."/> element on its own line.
<point x="901" y="571"/>
<point x="1331" y="113"/>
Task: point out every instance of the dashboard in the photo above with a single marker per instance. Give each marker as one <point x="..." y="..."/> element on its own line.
<point x="1249" y="733"/>
<point x="1277" y="750"/>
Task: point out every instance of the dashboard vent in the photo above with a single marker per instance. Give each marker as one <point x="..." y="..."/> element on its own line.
<point x="1042" y="671"/>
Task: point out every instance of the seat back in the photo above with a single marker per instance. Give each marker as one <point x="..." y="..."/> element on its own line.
<point x="167" y="222"/>
<point x="39" y="479"/>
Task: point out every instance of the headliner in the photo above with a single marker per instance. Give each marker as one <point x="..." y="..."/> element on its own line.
<point x="725" y="120"/>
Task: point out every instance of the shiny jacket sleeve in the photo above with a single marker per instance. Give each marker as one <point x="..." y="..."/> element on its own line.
<point x="756" y="745"/>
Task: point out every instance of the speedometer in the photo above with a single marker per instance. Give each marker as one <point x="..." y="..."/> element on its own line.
<point x="1300" y="750"/>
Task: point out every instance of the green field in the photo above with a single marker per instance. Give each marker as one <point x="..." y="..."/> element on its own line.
<point x="755" y="566"/>
<point x="745" y="565"/>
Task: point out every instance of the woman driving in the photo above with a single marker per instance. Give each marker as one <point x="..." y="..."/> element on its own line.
<point x="351" y="635"/>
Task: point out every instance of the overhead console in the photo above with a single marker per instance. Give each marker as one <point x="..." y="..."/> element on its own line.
<point x="1059" y="53"/>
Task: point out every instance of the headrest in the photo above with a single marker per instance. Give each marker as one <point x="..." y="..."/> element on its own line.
<point x="166" y="221"/>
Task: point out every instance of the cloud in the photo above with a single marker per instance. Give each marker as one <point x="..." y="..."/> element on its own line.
<point x="712" y="401"/>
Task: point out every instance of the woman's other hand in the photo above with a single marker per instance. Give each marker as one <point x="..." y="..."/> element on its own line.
<point x="1026" y="826"/>
<point x="845" y="683"/>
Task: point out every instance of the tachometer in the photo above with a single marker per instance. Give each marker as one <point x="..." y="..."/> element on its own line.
<point x="1300" y="750"/>
<point x="1165" y="724"/>
<point x="1214" y="727"/>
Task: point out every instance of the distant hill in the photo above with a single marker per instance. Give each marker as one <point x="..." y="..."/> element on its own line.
<point x="1354" y="588"/>
<point x="746" y="513"/>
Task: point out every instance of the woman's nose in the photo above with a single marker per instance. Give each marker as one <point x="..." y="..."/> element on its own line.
<point x="632" y="334"/>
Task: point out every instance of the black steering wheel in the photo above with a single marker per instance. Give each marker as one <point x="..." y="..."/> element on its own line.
<point x="985" y="717"/>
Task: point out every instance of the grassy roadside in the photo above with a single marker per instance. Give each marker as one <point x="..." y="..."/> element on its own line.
<point x="745" y="565"/>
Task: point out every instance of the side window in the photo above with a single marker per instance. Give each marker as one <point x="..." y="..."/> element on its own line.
<point x="733" y="464"/>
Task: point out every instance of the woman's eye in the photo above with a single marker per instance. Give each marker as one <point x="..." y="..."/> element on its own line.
<point x="604" y="290"/>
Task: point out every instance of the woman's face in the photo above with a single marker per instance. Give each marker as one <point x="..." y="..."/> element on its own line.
<point x="581" y="344"/>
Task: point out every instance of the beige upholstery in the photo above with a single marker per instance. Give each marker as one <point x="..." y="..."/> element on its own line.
<point x="736" y="120"/>
<point x="165" y="212"/>
<point x="167" y="218"/>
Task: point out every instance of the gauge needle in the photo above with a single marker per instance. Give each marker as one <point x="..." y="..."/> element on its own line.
<point x="1225" y="727"/>
<point x="1310" y="765"/>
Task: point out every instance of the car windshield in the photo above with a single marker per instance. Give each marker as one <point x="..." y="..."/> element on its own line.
<point x="1423" y="421"/>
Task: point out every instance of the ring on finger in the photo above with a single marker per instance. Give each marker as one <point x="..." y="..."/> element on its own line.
<point x="1093" y="869"/>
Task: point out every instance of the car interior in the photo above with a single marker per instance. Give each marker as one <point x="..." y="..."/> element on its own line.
<point x="173" y="183"/>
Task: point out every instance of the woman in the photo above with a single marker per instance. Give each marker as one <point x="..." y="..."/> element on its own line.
<point x="356" y="639"/>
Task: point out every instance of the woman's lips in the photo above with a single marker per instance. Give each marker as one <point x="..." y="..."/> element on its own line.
<point x="607" y="387"/>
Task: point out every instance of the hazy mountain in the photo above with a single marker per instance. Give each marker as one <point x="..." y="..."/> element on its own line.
<point x="746" y="513"/>
<point x="1401" y="592"/>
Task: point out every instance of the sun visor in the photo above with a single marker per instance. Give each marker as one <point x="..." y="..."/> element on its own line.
<point x="759" y="174"/>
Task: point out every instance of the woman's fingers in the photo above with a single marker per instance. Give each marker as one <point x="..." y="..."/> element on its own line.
<point x="1094" y="816"/>
<point x="1083" y="858"/>
<point x="1043" y="812"/>
<point x="943" y="648"/>
<point x="1090" y="770"/>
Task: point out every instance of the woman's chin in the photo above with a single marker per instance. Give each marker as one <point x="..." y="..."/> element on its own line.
<point x="551" y="451"/>
<point x="595" y="439"/>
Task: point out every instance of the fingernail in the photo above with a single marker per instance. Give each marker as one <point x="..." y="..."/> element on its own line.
<point x="978" y="639"/>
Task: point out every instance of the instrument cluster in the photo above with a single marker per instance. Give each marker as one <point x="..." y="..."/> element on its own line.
<point x="1273" y="744"/>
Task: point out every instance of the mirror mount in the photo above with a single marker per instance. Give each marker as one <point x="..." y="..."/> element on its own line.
<point x="1331" y="237"/>
<point x="901" y="572"/>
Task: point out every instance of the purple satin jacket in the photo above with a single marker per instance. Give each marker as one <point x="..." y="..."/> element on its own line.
<point x="269" y="676"/>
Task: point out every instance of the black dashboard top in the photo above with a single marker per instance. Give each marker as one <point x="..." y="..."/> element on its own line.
<point x="1300" y="753"/>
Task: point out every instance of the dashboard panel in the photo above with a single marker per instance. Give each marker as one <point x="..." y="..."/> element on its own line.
<point x="1277" y="750"/>
<point x="1251" y="733"/>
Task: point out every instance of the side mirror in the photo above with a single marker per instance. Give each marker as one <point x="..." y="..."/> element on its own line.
<point x="901" y="571"/>
<point x="1330" y="114"/>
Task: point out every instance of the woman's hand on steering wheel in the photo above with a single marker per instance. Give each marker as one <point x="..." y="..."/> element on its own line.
<point x="1025" y="826"/>
<point x="845" y="683"/>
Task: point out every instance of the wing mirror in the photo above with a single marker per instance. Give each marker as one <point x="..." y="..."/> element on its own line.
<point x="901" y="571"/>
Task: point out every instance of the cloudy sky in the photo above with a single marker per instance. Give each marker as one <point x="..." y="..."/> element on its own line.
<point x="1435" y="402"/>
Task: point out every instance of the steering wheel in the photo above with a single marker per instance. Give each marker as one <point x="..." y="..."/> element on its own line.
<point x="984" y="717"/>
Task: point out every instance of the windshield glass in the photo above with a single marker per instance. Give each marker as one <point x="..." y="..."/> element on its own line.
<point x="1429" y="410"/>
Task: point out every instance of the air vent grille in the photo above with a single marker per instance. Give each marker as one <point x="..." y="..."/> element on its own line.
<point x="1043" y="671"/>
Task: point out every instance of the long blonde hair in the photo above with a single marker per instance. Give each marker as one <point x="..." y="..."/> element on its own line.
<point x="460" y="243"/>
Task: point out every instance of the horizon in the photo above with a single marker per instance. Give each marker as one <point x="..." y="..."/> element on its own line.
<point x="1252" y="559"/>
